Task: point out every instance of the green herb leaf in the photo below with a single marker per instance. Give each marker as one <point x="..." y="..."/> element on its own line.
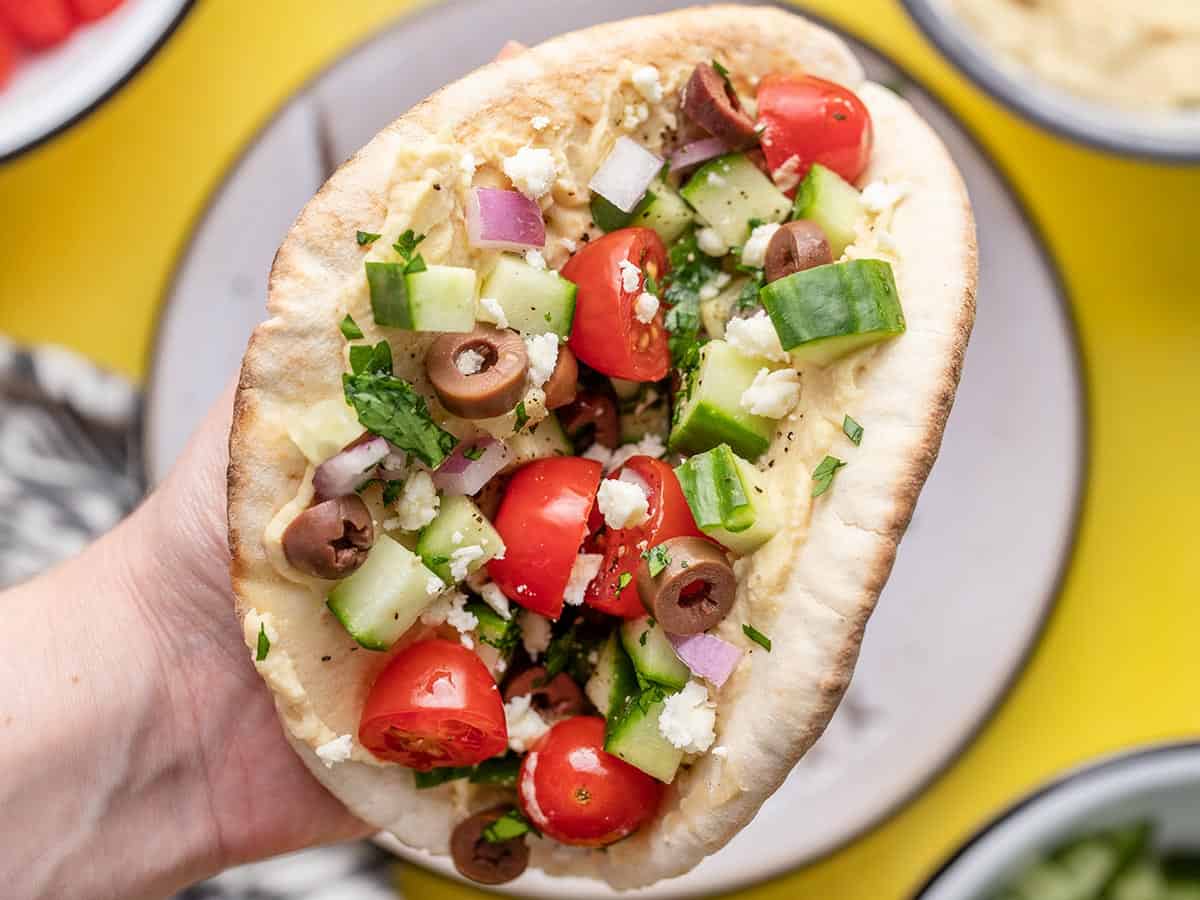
<point x="691" y="269"/>
<point x="522" y="416"/>
<point x="435" y="777"/>
<point x="657" y="560"/>
<point x="823" y="474"/>
<point x="623" y="580"/>
<point x="509" y="826"/>
<point x="852" y="430"/>
<point x="406" y="244"/>
<point x="499" y="770"/>
<point x="367" y="237"/>
<point x="350" y="329"/>
<point x="473" y="453"/>
<point x="371" y="360"/>
<point x="642" y="637"/>
<point x="757" y="636"/>
<point x="264" y="643"/>
<point x="568" y="652"/>
<point x="722" y="71"/>
<point x="392" y="491"/>
<point x="390" y="408"/>
<point x="416" y="264"/>
<point x="748" y="296"/>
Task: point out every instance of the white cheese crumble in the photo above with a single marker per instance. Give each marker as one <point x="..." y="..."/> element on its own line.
<point x="644" y="307"/>
<point x="586" y="567"/>
<point x="688" y="719"/>
<point x="650" y="445"/>
<point x="532" y="171"/>
<point x="418" y="503"/>
<point x="772" y="394"/>
<point x="468" y="165"/>
<point x="714" y="285"/>
<point x="569" y="244"/>
<point x="540" y="123"/>
<point x="879" y="197"/>
<point x="710" y="242"/>
<point x="631" y="276"/>
<point x="623" y="505"/>
<point x="450" y="609"/>
<point x="599" y="453"/>
<point x="535" y="259"/>
<point x="645" y="80"/>
<point x="461" y="559"/>
<point x="635" y="114"/>
<point x="495" y="598"/>
<point x="525" y="724"/>
<point x="469" y="362"/>
<point x="434" y="586"/>
<point x="336" y="751"/>
<point x="755" y="336"/>
<point x="754" y="253"/>
<point x="787" y="176"/>
<point x="456" y="538"/>
<point x="535" y="631"/>
<point x="542" y="350"/>
<point x="490" y="310"/>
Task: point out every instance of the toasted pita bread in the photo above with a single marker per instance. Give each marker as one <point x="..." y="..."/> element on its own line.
<point x="812" y="587"/>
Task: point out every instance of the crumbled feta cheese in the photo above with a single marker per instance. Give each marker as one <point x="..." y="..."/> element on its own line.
<point x="650" y="445"/>
<point x="418" y="503"/>
<point x="716" y="180"/>
<point x="469" y="362"/>
<point x="336" y="751"/>
<point x="631" y="276"/>
<point x="644" y="307"/>
<point x="755" y="336"/>
<point x="688" y="719"/>
<point x="490" y="310"/>
<point x="532" y="171"/>
<point x="456" y="538"/>
<point x="461" y="559"/>
<point x="754" y="253"/>
<point x="542" y="350"/>
<point x="772" y="394"/>
<point x="787" y="176"/>
<point x="535" y="631"/>
<point x="714" y="285"/>
<point x="450" y="609"/>
<point x="495" y="598"/>
<point x="880" y="196"/>
<point x="468" y="165"/>
<point x="434" y="586"/>
<point x="540" y="123"/>
<point x="645" y="80"/>
<point x="569" y="244"/>
<point x="599" y="453"/>
<point x="525" y="724"/>
<point x="635" y="115"/>
<point x="586" y="567"/>
<point x="622" y="504"/>
<point x="710" y="242"/>
<point x="534" y="258"/>
<point x="885" y="241"/>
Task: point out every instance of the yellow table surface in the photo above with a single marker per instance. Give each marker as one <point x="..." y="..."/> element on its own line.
<point x="94" y="221"/>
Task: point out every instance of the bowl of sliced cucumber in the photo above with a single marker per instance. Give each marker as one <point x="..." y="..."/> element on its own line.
<point x="1124" y="828"/>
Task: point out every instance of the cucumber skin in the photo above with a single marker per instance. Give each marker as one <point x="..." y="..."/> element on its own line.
<point x="661" y="209"/>
<point x="389" y="295"/>
<point x="614" y="681"/>
<point x="832" y="202"/>
<point x="655" y="659"/>
<point x="739" y="517"/>
<point x="494" y="629"/>
<point x="703" y="422"/>
<point x="634" y="737"/>
<point x="827" y="311"/>
<point x="457" y="514"/>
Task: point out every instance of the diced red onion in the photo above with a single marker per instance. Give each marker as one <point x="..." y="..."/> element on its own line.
<point x="697" y="152"/>
<point x="461" y="475"/>
<point x="625" y="174"/>
<point x="504" y="220"/>
<point x="707" y="656"/>
<point x="394" y="466"/>
<point x="342" y="474"/>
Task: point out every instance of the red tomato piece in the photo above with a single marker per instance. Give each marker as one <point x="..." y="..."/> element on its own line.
<point x="543" y="520"/>
<point x="435" y="704"/>
<point x="91" y="10"/>
<point x="38" y="24"/>
<point x="669" y="516"/>
<point x="605" y="333"/>
<point x="815" y="120"/>
<point x="574" y="792"/>
<point x="8" y="55"/>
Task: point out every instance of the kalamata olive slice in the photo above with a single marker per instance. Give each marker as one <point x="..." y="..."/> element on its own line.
<point x="479" y="374"/>
<point x="554" y="699"/>
<point x="330" y="539"/>
<point x="479" y="859"/>
<point x="563" y="382"/>
<point x="693" y="592"/>
<point x="796" y="246"/>
<point x="711" y="103"/>
<point x="592" y="411"/>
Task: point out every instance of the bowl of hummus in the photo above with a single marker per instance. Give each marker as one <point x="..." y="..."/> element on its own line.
<point x="1119" y="75"/>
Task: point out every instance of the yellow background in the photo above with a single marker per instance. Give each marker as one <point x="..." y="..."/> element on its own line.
<point x="93" y="222"/>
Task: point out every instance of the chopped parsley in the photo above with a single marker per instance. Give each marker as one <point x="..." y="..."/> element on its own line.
<point x="852" y="430"/>
<point x="264" y="643"/>
<point x="522" y="416"/>
<point x="499" y="770"/>
<point x="724" y="73"/>
<point x="392" y="491"/>
<point x="435" y="777"/>
<point x="350" y="329"/>
<point x="624" y="580"/>
<point x="657" y="559"/>
<point x="509" y="826"/>
<point x="568" y="652"/>
<point x="366" y="359"/>
<point x="473" y="453"/>
<point x="822" y="475"/>
<point x="406" y="246"/>
<point x="748" y="296"/>
<point x="645" y="634"/>
<point x="691" y="269"/>
<point x="367" y="237"/>
<point x="757" y="636"/>
<point x="390" y="408"/>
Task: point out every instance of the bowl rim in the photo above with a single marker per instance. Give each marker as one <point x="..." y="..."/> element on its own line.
<point x="1071" y="778"/>
<point x="1044" y="107"/>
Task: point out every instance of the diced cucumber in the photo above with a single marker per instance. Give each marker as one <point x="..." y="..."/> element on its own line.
<point x="661" y="209"/>
<point x="729" y="191"/>
<point x="652" y="654"/>
<point x="382" y="600"/>
<point x="712" y="413"/>
<point x="544" y="440"/>
<point x="608" y="217"/>
<point x="716" y="313"/>
<point x="826" y="312"/>
<point x="457" y="517"/>
<point x="832" y="202"/>
<point x="535" y="301"/>
<point x="728" y="499"/>
<point x="441" y="298"/>
<point x="633" y="736"/>
<point x="323" y="429"/>
<point x="389" y="294"/>
<point x="495" y="630"/>
<point x="613" y="681"/>
<point x="1143" y="880"/>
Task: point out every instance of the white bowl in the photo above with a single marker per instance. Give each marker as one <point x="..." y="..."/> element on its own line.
<point x="56" y="88"/>
<point x="1159" y="784"/>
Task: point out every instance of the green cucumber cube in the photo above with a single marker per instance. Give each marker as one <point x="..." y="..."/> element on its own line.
<point x="535" y="301"/>
<point x="729" y="191"/>
<point x="712" y="413"/>
<point x="387" y="594"/>
<point x="459" y="524"/>
<point x="833" y="203"/>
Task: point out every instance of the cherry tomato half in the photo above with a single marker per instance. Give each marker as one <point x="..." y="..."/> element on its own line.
<point x="574" y="792"/>
<point x="543" y="521"/>
<point x="38" y="24"/>
<point x="669" y="516"/>
<point x="435" y="704"/>
<point x="91" y="10"/>
<point x="606" y="334"/>
<point x="816" y="120"/>
<point x="8" y="54"/>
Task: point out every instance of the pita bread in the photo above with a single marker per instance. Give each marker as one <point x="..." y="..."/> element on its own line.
<point x="811" y="588"/>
